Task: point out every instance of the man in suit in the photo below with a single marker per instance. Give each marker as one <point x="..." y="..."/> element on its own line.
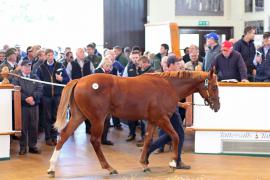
<point x="31" y="94"/>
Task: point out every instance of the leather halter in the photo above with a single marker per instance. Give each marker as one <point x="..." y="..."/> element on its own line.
<point x="209" y="99"/>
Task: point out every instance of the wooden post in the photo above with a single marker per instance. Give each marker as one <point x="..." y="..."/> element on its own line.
<point x="4" y="74"/>
<point x="189" y="112"/>
<point x="174" y="30"/>
<point x="17" y="108"/>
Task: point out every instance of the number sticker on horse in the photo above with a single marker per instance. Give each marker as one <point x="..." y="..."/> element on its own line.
<point x="95" y="86"/>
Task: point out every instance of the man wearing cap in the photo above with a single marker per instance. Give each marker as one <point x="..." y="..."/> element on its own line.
<point x="229" y="64"/>
<point x="31" y="94"/>
<point x="246" y="48"/>
<point x="213" y="51"/>
<point x="10" y="62"/>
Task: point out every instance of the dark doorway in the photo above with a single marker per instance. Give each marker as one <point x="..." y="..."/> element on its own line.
<point x="196" y="36"/>
<point x="124" y="23"/>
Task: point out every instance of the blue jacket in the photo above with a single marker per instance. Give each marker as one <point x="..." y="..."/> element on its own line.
<point x="263" y="69"/>
<point x="118" y="68"/>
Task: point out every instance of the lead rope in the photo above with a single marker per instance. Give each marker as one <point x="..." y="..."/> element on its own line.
<point x="38" y="81"/>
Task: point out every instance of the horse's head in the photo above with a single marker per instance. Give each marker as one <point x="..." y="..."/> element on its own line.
<point x="209" y="91"/>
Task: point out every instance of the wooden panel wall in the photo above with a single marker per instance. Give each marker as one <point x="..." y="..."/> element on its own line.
<point x="124" y="22"/>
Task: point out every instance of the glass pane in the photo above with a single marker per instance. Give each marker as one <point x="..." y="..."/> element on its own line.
<point x="248" y="5"/>
<point x="199" y="7"/>
<point x="258" y="24"/>
<point x="187" y="39"/>
<point x="259" y="5"/>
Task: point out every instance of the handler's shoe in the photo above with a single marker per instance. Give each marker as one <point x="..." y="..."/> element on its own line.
<point x="182" y="166"/>
<point x="130" y="138"/>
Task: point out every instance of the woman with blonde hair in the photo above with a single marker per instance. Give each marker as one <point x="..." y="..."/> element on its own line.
<point x="105" y="66"/>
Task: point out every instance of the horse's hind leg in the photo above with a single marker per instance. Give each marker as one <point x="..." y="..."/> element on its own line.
<point x="96" y="132"/>
<point x="166" y="125"/>
<point x="75" y="120"/>
<point x="144" y="155"/>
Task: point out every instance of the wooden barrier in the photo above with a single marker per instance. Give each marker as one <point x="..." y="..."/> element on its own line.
<point x="9" y="95"/>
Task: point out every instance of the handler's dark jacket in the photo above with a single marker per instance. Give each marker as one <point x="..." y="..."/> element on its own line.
<point x="29" y="88"/>
<point x="47" y="73"/>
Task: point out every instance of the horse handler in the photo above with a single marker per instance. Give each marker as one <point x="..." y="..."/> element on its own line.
<point x="177" y="124"/>
<point x="31" y="94"/>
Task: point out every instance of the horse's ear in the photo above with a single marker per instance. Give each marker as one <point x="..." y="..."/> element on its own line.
<point x="212" y="71"/>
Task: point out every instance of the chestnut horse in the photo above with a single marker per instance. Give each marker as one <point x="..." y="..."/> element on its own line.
<point x="152" y="97"/>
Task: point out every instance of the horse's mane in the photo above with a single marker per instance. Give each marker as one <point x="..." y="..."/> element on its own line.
<point x="181" y="74"/>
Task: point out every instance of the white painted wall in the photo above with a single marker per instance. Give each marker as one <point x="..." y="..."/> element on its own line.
<point x="164" y="10"/>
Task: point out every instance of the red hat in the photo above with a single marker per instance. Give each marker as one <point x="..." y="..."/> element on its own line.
<point x="227" y="45"/>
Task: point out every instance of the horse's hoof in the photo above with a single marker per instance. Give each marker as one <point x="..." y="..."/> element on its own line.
<point x="51" y="173"/>
<point x="113" y="172"/>
<point x="172" y="169"/>
<point x="146" y="170"/>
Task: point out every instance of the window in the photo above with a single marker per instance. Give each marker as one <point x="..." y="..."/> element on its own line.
<point x="199" y="7"/>
<point x="248" y="5"/>
<point x="259" y="5"/>
<point x="258" y="24"/>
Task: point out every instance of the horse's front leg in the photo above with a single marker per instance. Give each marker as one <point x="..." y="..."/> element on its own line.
<point x="96" y="133"/>
<point x="145" y="155"/>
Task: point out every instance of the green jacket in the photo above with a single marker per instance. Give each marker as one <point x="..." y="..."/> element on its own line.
<point x="122" y="59"/>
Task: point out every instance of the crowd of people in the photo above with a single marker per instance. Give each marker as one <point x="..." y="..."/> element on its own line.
<point x="239" y="60"/>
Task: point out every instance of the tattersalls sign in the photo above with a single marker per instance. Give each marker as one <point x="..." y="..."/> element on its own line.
<point x="245" y="135"/>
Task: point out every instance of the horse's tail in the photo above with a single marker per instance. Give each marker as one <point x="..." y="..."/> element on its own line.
<point x="63" y="105"/>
